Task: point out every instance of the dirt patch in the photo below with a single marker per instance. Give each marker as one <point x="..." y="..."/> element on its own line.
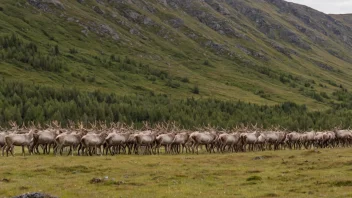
<point x="73" y="169"/>
<point x="39" y="170"/>
<point x="253" y="171"/>
<point x="249" y="183"/>
<point x="271" y="195"/>
<point x="112" y="182"/>
<point x="264" y="157"/>
<point x="349" y="163"/>
<point x="23" y="188"/>
<point x="254" y="178"/>
<point x="311" y="152"/>
<point x="96" y="180"/>
<point x="5" y="180"/>
<point x="181" y="176"/>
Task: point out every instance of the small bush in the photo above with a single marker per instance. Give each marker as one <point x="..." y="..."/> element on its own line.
<point x="173" y="84"/>
<point x="207" y="63"/>
<point x="185" y="80"/>
<point x="91" y="79"/>
<point x="151" y="78"/>
<point x="73" y="51"/>
<point x="324" y="95"/>
<point x="254" y="178"/>
<point x="342" y="183"/>
<point x="195" y="89"/>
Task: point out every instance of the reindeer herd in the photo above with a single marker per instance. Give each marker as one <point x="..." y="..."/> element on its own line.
<point x="121" y="139"/>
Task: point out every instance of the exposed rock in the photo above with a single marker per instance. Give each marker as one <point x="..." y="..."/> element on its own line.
<point x="44" y="5"/>
<point x="219" y="49"/>
<point x="100" y="2"/>
<point x="281" y="48"/>
<point x="147" y="21"/>
<point x="164" y="2"/>
<point x="35" y="195"/>
<point x="137" y="17"/>
<point x="176" y="22"/>
<point x="96" y="180"/>
<point x="134" y="31"/>
<point x="322" y="65"/>
<point x="251" y="52"/>
<point x="218" y="7"/>
<point x="98" y="10"/>
<point x="100" y="29"/>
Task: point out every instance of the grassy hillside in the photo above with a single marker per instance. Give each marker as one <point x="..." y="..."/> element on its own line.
<point x="264" y="52"/>
<point x="277" y="174"/>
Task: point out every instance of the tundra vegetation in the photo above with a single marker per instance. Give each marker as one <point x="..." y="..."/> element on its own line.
<point x="261" y="51"/>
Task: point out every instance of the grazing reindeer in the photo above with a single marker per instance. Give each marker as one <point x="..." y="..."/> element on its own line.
<point x="23" y="140"/>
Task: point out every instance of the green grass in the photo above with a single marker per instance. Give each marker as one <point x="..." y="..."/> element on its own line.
<point x="323" y="173"/>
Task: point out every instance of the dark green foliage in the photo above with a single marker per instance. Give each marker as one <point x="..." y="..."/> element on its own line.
<point x="30" y="102"/>
<point x="324" y="95"/>
<point x="173" y="84"/>
<point x="342" y="183"/>
<point x="254" y="178"/>
<point x="307" y="84"/>
<point x="56" y="50"/>
<point x="284" y="79"/>
<point x="48" y="35"/>
<point x="185" y="80"/>
<point x="73" y="51"/>
<point x="332" y="83"/>
<point x="195" y="89"/>
<point x="13" y="48"/>
<point x="314" y="95"/>
<point x="207" y="63"/>
<point x="262" y="94"/>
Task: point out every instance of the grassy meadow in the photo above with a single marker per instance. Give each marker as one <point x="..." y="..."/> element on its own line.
<point x="321" y="173"/>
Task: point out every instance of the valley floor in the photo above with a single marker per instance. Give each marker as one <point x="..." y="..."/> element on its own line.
<point x="320" y="173"/>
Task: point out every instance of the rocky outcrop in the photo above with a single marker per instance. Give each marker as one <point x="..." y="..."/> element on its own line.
<point x="35" y="195"/>
<point x="45" y="5"/>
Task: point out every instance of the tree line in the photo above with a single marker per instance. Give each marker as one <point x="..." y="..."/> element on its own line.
<point x="30" y="102"/>
<point x="13" y="48"/>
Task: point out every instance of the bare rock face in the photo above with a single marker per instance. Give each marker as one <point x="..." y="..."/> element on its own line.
<point x="98" y="10"/>
<point x="44" y="5"/>
<point x="176" y="22"/>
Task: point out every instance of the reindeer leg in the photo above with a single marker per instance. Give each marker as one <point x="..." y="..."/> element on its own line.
<point x="11" y="150"/>
<point x="69" y="152"/>
<point x="61" y="149"/>
<point x="7" y="150"/>
<point x="3" y="150"/>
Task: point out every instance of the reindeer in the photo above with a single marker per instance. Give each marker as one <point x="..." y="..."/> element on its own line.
<point x="46" y="138"/>
<point x="180" y="142"/>
<point x="23" y="140"/>
<point x="70" y="139"/>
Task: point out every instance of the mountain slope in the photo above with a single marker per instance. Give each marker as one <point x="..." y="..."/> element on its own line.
<point x="262" y="51"/>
